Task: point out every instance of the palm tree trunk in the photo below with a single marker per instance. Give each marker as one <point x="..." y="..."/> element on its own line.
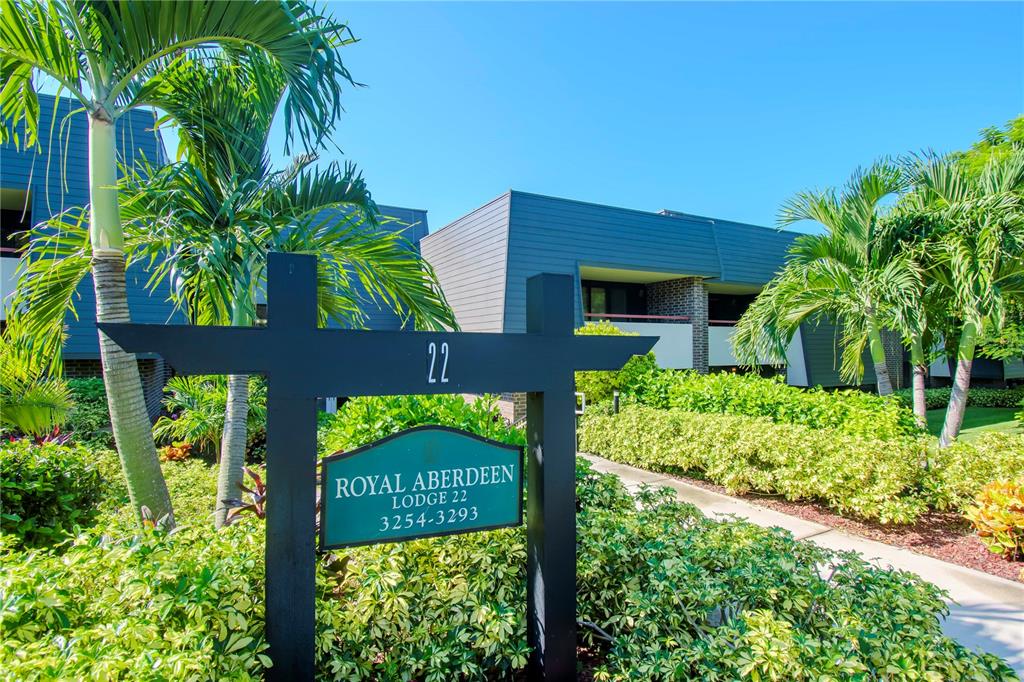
<point x="917" y="358"/>
<point x="878" y="359"/>
<point x="232" y="448"/>
<point x="961" y="385"/>
<point x="133" y="432"/>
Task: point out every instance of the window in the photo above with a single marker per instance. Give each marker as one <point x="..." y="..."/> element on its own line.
<point x="15" y="221"/>
<point x="728" y="307"/>
<point x="613" y="298"/>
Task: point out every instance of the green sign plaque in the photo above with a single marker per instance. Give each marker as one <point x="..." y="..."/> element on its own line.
<point x="423" y="482"/>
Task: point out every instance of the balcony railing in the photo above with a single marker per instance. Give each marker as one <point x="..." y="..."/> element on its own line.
<point x="617" y="317"/>
<point x="669" y="319"/>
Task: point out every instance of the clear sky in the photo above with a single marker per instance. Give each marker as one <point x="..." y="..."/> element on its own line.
<point x="722" y="109"/>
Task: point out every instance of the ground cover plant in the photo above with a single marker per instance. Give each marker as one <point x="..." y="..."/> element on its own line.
<point x="681" y="596"/>
<point x="665" y="594"/>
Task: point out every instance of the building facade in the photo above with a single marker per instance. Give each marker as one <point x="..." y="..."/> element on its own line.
<point x="684" y="278"/>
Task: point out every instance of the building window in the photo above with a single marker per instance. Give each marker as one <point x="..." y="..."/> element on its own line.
<point x="728" y="308"/>
<point x="613" y="299"/>
<point x="15" y="221"/>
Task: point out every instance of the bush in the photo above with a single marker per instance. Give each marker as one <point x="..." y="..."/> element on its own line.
<point x="363" y="420"/>
<point x="864" y="477"/>
<point x="998" y="516"/>
<point x="683" y="597"/>
<point x="978" y="396"/>
<point x="852" y="412"/>
<point x="959" y="472"/>
<point x="46" y="490"/>
<point x="599" y="386"/>
<point x="89" y="419"/>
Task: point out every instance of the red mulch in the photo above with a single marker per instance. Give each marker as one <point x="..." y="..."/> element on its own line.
<point x="942" y="535"/>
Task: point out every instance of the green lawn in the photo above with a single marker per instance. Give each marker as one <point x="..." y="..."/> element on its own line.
<point x="978" y="420"/>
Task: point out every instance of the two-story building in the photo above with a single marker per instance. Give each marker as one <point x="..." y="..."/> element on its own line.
<point x="682" y="277"/>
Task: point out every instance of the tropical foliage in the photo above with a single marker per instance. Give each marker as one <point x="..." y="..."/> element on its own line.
<point x="113" y="57"/>
<point x="892" y="480"/>
<point x="196" y="407"/>
<point x="31" y="401"/>
<point x="943" y="267"/>
<point x="846" y="274"/>
<point x="680" y="597"/>
<point x="601" y="385"/>
<point x="89" y="419"/>
<point x="998" y="516"/>
<point x="853" y="412"/>
<point x="975" y="253"/>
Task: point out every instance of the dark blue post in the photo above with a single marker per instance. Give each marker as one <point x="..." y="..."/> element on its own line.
<point x="291" y="482"/>
<point x="551" y="499"/>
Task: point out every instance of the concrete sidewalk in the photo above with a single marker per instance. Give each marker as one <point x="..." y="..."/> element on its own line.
<point x="986" y="612"/>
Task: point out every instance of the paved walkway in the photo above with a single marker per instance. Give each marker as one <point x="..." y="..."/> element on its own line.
<point x="986" y="612"/>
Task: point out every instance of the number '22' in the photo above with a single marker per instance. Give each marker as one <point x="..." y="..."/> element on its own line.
<point x="432" y="354"/>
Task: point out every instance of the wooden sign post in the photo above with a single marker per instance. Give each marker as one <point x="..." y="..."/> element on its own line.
<point x="302" y="363"/>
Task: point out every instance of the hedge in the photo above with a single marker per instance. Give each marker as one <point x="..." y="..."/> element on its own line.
<point x="958" y="473"/>
<point x="978" y="396"/>
<point x="868" y="478"/>
<point x="853" y="412"/>
<point x="681" y="596"/>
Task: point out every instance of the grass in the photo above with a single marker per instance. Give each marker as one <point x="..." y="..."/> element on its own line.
<point x="978" y="420"/>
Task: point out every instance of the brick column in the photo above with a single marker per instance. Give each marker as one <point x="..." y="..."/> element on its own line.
<point x="684" y="296"/>
<point x="893" y="345"/>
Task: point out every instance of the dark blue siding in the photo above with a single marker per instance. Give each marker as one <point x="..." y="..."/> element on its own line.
<point x="57" y="176"/>
<point x="412" y="223"/>
<point x="559" y="235"/>
<point x="470" y="258"/>
<point x="750" y="254"/>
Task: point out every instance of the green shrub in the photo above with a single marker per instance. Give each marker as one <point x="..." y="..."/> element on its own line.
<point x="599" y="386"/>
<point x="957" y="473"/>
<point x="978" y="396"/>
<point x="683" y="597"/>
<point x="46" y="490"/>
<point x="865" y="477"/>
<point x="89" y="420"/>
<point x="853" y="412"/>
<point x="363" y="420"/>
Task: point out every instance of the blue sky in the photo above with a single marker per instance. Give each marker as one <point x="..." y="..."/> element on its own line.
<point x="721" y="109"/>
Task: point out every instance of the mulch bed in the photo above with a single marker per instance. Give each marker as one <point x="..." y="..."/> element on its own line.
<point x="942" y="535"/>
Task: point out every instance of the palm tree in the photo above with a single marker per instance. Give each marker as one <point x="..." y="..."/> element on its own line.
<point x="207" y="224"/>
<point x="846" y="274"/>
<point x="909" y="230"/>
<point x="112" y="57"/>
<point x="977" y="255"/>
